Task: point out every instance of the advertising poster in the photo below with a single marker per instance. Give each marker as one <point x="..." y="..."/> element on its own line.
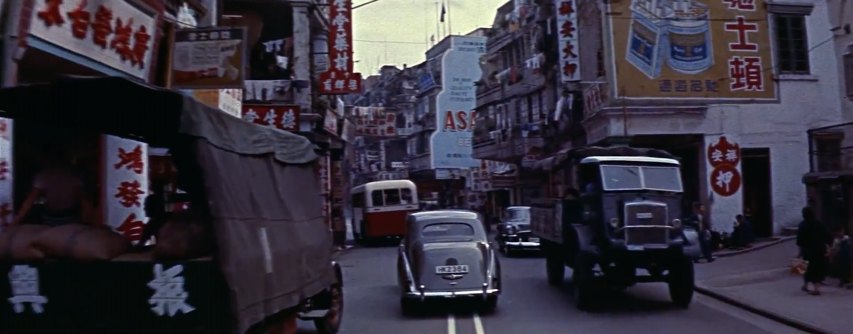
<point x="212" y="58"/>
<point x="692" y="49"/>
<point x="451" y="143"/>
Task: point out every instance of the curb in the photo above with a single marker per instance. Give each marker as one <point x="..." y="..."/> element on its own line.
<point x="756" y="247"/>
<point x="767" y="314"/>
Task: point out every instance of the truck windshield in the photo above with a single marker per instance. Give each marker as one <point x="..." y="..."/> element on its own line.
<point x="641" y="177"/>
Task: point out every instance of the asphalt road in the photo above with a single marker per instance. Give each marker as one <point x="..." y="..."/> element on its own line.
<point x="527" y="305"/>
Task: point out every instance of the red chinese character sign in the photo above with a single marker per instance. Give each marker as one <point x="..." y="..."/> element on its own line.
<point x="117" y="33"/>
<point x="283" y="117"/>
<point x="6" y="186"/>
<point x="694" y="50"/>
<point x="567" y="26"/>
<point x="125" y="186"/>
<point x="724" y="157"/>
<point x="340" y="78"/>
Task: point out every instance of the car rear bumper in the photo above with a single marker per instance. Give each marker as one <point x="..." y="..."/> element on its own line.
<point x="522" y="244"/>
<point x="451" y="294"/>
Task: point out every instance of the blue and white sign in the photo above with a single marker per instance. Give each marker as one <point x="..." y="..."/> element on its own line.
<point x="451" y="143"/>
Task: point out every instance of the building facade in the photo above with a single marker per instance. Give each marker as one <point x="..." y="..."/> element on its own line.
<point x="731" y="92"/>
<point x="830" y="177"/>
<point x="274" y="83"/>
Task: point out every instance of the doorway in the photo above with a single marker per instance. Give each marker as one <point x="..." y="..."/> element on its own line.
<point x="757" y="190"/>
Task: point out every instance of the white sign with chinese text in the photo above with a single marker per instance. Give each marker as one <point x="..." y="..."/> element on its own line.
<point x="567" y="30"/>
<point x="6" y="185"/>
<point x="170" y="297"/>
<point x="24" y="281"/>
<point x="231" y="101"/>
<point x="126" y="185"/>
<point x="723" y="177"/>
<point x="113" y="32"/>
<point x="451" y="143"/>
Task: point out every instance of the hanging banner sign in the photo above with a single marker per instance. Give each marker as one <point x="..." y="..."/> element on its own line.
<point x="340" y="78"/>
<point x="725" y="157"/>
<point x="568" y="41"/>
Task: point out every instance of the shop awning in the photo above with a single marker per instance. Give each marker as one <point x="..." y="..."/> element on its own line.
<point x="125" y="108"/>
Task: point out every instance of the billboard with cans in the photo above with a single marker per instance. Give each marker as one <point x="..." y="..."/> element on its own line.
<point x="690" y="49"/>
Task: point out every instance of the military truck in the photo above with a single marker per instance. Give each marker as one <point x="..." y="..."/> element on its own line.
<point x="618" y="224"/>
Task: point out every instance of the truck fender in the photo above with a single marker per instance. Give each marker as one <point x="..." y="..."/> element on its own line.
<point x="691" y="249"/>
<point x="584" y="239"/>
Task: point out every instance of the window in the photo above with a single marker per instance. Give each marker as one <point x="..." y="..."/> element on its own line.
<point x="376" y="196"/>
<point x="406" y="195"/>
<point x="791" y="44"/>
<point x="621" y="177"/>
<point x="828" y="152"/>
<point x="392" y="196"/>
<point x="448" y="230"/>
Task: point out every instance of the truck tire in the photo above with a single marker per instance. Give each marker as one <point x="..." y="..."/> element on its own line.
<point x="583" y="281"/>
<point x="554" y="265"/>
<point x="331" y="323"/>
<point x="681" y="283"/>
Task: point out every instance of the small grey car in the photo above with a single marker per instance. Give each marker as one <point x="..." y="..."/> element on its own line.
<point x="514" y="231"/>
<point x="446" y="255"/>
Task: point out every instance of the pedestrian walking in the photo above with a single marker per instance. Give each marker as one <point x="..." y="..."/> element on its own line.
<point x="697" y="221"/>
<point x="814" y="241"/>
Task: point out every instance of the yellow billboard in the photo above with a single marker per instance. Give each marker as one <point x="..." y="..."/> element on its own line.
<point x="688" y="49"/>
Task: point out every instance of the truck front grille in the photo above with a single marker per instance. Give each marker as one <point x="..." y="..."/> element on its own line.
<point x="646" y="223"/>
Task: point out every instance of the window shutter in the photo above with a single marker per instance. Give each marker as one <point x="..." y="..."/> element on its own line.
<point x="848" y="73"/>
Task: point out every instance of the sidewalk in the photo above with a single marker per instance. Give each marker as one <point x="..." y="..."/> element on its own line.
<point x="761" y="281"/>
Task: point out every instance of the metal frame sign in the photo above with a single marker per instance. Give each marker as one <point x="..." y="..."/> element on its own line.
<point x="340" y="78"/>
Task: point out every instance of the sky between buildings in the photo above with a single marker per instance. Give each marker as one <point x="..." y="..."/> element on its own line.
<point x="397" y="32"/>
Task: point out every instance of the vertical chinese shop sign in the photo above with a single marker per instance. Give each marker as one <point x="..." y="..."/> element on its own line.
<point x="567" y="24"/>
<point x="724" y="157"/>
<point x="6" y="186"/>
<point x="125" y="186"/>
<point x="340" y="78"/>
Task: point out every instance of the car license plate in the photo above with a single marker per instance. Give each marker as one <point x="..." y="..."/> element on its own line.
<point x="458" y="269"/>
<point x="533" y="239"/>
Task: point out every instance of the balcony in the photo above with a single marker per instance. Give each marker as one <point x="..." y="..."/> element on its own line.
<point x="831" y="149"/>
<point x="508" y="145"/>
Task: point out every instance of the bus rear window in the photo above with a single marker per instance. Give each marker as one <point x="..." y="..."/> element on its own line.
<point x="391" y="197"/>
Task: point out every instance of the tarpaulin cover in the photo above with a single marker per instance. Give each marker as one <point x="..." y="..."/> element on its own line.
<point x="265" y="206"/>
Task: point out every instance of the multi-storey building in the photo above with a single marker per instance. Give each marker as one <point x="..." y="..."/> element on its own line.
<point x="730" y="87"/>
<point x="830" y="177"/>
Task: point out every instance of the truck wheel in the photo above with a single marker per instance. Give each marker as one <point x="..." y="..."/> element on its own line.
<point x="331" y="323"/>
<point x="555" y="266"/>
<point x="681" y="283"/>
<point x="583" y="282"/>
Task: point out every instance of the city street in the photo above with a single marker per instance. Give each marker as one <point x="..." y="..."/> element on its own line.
<point x="527" y="305"/>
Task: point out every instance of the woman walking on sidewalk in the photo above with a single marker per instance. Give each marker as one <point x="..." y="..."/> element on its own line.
<point x="813" y="240"/>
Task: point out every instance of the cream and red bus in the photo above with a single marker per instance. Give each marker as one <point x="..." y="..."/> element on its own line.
<point x="379" y="208"/>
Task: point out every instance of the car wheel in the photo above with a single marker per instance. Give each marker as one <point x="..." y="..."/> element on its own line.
<point x="555" y="266"/>
<point x="331" y="323"/>
<point x="491" y="303"/>
<point x="583" y="282"/>
<point x="681" y="283"/>
<point x="409" y="306"/>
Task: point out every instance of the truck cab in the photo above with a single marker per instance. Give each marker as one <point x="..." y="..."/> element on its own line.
<point x="621" y="225"/>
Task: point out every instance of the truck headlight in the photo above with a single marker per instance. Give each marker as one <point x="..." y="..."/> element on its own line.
<point x="676" y="223"/>
<point x="614" y="222"/>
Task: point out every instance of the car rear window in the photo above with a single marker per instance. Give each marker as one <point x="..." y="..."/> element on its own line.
<point x="448" y="230"/>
